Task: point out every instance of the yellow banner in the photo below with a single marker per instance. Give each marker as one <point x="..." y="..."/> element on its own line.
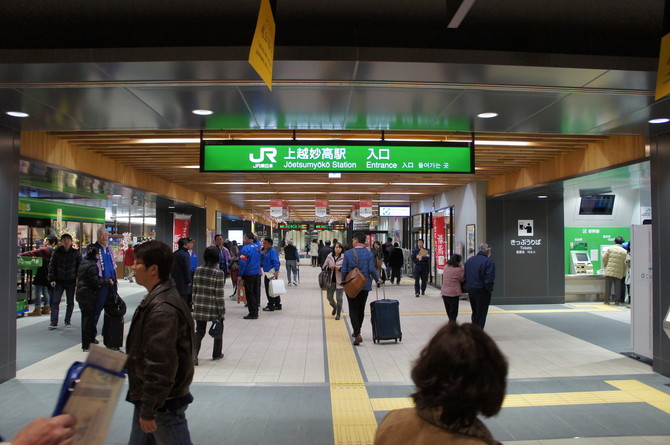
<point x="663" y="79"/>
<point x="261" y="54"/>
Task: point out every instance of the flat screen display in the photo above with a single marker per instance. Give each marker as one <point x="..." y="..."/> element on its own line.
<point x="596" y="205"/>
<point x="394" y="211"/>
<point x="582" y="257"/>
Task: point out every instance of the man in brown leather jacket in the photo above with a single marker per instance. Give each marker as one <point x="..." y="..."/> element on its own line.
<point x="160" y="349"/>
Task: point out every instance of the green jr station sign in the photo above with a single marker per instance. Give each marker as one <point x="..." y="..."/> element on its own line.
<point x="336" y="156"/>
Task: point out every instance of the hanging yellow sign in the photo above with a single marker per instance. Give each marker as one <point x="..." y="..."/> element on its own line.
<point x="663" y="79"/>
<point x="261" y="54"/>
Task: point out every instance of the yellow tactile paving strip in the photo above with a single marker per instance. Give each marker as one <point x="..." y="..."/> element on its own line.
<point x="629" y="391"/>
<point x="354" y="419"/>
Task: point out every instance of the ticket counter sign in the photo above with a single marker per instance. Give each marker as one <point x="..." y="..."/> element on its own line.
<point x="339" y="156"/>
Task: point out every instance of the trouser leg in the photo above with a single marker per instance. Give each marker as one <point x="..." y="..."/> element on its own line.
<point x="330" y="293"/>
<point x="424" y="279"/>
<point x="55" y="302"/>
<point x="251" y="284"/>
<point x="480" y="299"/>
<point x="69" y="302"/>
<point x="267" y="291"/>
<point x="451" y="306"/>
<point x="357" y="311"/>
<point x="200" y="328"/>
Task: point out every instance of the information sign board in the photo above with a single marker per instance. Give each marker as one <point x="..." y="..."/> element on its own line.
<point x="340" y="156"/>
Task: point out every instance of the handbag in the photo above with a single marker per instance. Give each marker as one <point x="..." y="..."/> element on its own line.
<point x="115" y="305"/>
<point x="354" y="282"/>
<point x="325" y="279"/>
<point x="277" y="287"/>
<point x="216" y="329"/>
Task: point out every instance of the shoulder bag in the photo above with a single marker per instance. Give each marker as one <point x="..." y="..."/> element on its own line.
<point x="216" y="330"/>
<point x="325" y="278"/>
<point x="354" y="282"/>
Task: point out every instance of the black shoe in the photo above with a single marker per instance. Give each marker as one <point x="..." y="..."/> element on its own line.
<point x="334" y="311"/>
<point x="417" y="295"/>
<point x="250" y="317"/>
<point x="268" y="309"/>
<point x="423" y="292"/>
<point x="278" y="307"/>
<point x="84" y="349"/>
<point x="218" y="357"/>
<point x="95" y="342"/>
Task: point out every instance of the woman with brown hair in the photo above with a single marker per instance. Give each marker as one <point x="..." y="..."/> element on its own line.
<point x="460" y="373"/>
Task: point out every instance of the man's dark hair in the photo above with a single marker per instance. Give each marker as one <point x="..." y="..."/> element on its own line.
<point x="389" y="239"/>
<point x="218" y="235"/>
<point x="327" y="243"/>
<point x="396" y="245"/>
<point x="51" y="240"/>
<point x="460" y="372"/>
<point x="158" y="253"/>
<point x="183" y="241"/>
<point x="420" y="239"/>
<point x="359" y="237"/>
<point x="92" y="251"/>
<point x="269" y="240"/>
<point x="455" y="260"/>
<point x="211" y="255"/>
<point x="66" y="236"/>
<point x="618" y="240"/>
<point x="250" y="235"/>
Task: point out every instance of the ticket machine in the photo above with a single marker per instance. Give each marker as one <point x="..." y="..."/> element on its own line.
<point x="580" y="263"/>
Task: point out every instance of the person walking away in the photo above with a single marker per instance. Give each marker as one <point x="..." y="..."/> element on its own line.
<point x="107" y="270"/>
<point x="362" y="258"/>
<point x="225" y="256"/>
<point x="334" y="263"/>
<point x="160" y="347"/>
<point x="270" y="264"/>
<point x="323" y="253"/>
<point x="314" y="253"/>
<point x="396" y="261"/>
<point x="452" y="279"/>
<point x="421" y="260"/>
<point x="42" y="298"/>
<point x="89" y="282"/>
<point x="614" y="262"/>
<point x="480" y="274"/>
<point x="471" y="374"/>
<point x="388" y="248"/>
<point x="129" y="262"/>
<point x="234" y="267"/>
<point x="181" y="272"/>
<point x="209" y="301"/>
<point x="292" y="258"/>
<point x="249" y="274"/>
<point x="378" y="251"/>
<point x="62" y="275"/>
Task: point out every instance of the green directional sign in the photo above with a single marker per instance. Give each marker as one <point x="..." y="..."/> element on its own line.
<point x="336" y="156"/>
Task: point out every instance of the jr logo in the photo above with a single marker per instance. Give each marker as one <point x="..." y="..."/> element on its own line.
<point x="270" y="152"/>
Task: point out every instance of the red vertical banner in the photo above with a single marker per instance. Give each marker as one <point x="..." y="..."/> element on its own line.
<point x="321" y="207"/>
<point x="440" y="242"/>
<point x="180" y="229"/>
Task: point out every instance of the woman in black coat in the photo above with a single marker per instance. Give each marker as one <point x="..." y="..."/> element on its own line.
<point x="396" y="261"/>
<point x="88" y="283"/>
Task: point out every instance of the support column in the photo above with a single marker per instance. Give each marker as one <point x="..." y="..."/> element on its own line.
<point x="660" y="194"/>
<point x="9" y="196"/>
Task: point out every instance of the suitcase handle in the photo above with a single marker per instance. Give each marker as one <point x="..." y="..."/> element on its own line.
<point x="383" y="292"/>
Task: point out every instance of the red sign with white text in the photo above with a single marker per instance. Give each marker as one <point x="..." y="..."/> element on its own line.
<point x="180" y="229"/>
<point x="440" y="242"/>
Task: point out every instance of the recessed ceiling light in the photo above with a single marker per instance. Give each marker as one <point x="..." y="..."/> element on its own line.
<point x="661" y="120"/>
<point x="335" y="175"/>
<point x="202" y="112"/>
<point x="17" y="114"/>
<point x="487" y="115"/>
<point x="542" y="196"/>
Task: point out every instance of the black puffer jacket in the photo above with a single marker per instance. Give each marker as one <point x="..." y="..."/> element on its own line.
<point x="160" y="348"/>
<point x="64" y="265"/>
<point x="88" y="283"/>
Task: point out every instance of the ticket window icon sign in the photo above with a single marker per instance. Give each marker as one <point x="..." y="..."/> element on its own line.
<point x="526" y="227"/>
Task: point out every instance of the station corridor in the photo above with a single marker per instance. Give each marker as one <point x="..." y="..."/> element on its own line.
<point x="293" y="376"/>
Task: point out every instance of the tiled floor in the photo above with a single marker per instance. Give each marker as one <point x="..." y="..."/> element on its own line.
<point x="273" y="385"/>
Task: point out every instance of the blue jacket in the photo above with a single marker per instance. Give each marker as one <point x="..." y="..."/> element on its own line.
<point x="366" y="263"/>
<point x="270" y="260"/>
<point x="250" y="260"/>
<point x="480" y="272"/>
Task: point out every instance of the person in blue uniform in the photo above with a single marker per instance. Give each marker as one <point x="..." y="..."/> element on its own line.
<point x="250" y="274"/>
<point x="270" y="262"/>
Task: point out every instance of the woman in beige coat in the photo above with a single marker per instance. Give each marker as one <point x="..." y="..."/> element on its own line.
<point x="334" y="264"/>
<point x="460" y="373"/>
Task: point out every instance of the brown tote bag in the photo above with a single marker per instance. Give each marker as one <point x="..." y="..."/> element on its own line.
<point x="354" y="282"/>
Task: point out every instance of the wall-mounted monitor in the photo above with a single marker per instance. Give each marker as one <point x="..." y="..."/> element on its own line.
<point x="394" y="211"/>
<point x="596" y="205"/>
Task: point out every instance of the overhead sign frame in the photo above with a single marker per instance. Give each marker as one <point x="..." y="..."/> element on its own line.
<point x="282" y="156"/>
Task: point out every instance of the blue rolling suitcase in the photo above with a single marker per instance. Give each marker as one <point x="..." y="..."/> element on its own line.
<point x="385" y="319"/>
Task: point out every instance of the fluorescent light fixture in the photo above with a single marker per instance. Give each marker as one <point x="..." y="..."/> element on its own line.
<point x="498" y="143"/>
<point x="17" y="114"/>
<point x="661" y="120"/>
<point x="239" y="183"/>
<point x="487" y="115"/>
<point x="278" y="138"/>
<point x="167" y="141"/>
<point x="188" y="166"/>
<point x="417" y="183"/>
<point x="248" y="193"/>
<point x="300" y="183"/>
<point x="542" y="196"/>
<point x="358" y="183"/>
<point x="334" y="175"/>
<point x="202" y="112"/>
